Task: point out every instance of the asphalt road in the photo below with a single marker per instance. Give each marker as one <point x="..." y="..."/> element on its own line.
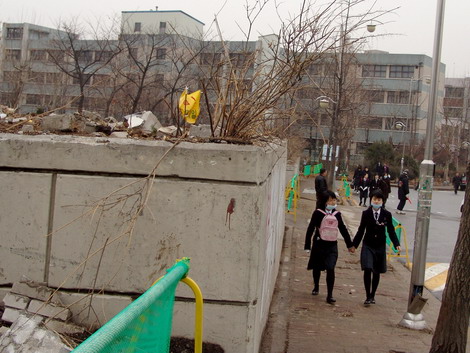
<point x="444" y="223"/>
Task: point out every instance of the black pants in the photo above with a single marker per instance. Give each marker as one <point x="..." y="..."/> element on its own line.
<point x="320" y="202"/>
<point x="401" y="204"/>
<point x="456" y="187"/>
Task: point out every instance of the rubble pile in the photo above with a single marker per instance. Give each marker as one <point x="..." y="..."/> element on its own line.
<point x="138" y="125"/>
<point x="32" y="299"/>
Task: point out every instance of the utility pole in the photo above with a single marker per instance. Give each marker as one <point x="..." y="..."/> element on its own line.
<point x="413" y="318"/>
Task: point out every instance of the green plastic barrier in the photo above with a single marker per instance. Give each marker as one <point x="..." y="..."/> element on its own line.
<point x="398" y="231"/>
<point x="307" y="170"/>
<point x="290" y="200"/>
<point x="294" y="181"/>
<point x="348" y="191"/>
<point x="145" y="325"/>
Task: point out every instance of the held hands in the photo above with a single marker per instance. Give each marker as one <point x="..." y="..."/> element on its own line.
<point x="398" y="249"/>
<point x="352" y="249"/>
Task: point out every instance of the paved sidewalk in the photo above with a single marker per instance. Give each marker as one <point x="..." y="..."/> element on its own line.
<point x="300" y="322"/>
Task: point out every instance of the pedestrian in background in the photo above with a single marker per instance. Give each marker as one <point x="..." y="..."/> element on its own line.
<point x="403" y="191"/>
<point x="379" y="169"/>
<point x="324" y="247"/>
<point x="364" y="190"/>
<point x="357" y="178"/>
<point x="373" y="185"/>
<point x="321" y="187"/>
<point x="384" y="186"/>
<point x="374" y="221"/>
<point x="456" y="180"/>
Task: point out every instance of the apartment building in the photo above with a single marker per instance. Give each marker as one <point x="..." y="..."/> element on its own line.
<point x="390" y="97"/>
<point x="455" y="133"/>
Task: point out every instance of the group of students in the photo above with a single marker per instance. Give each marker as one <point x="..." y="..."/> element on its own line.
<point x="324" y="226"/>
<point x="366" y="186"/>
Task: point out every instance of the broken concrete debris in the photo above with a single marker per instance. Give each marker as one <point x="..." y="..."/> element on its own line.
<point x="27" y="334"/>
<point x="29" y="298"/>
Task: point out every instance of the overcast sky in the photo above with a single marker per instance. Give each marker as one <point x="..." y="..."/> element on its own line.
<point x="414" y="21"/>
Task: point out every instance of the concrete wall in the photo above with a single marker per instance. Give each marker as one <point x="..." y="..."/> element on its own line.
<point x="58" y="184"/>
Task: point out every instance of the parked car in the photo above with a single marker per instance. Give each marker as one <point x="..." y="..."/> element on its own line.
<point x="463" y="184"/>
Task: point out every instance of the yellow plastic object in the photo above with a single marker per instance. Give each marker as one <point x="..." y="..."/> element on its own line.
<point x="392" y="253"/>
<point x="199" y="313"/>
<point x="198" y="323"/>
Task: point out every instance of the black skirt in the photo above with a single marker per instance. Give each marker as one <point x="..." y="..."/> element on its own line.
<point x="323" y="256"/>
<point x="374" y="259"/>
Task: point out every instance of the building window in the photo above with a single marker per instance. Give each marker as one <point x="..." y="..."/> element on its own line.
<point x="453" y="112"/>
<point x="12" y="54"/>
<point x="101" y="80"/>
<point x="401" y="71"/>
<point x="374" y="70"/>
<point x="398" y="97"/>
<point x="160" y="54"/>
<point x="86" y="79"/>
<point x="376" y="96"/>
<point x="314" y="69"/>
<point x="103" y="56"/>
<point x="454" y="92"/>
<point x="14" y="33"/>
<point x="11" y="76"/>
<point x="370" y="122"/>
<point x="56" y="55"/>
<point x="38" y="55"/>
<point x="137" y="27"/>
<point x="85" y="56"/>
<point x="33" y="99"/>
<point x="162" y="27"/>
<point x="37" y="77"/>
<point x="53" y="78"/>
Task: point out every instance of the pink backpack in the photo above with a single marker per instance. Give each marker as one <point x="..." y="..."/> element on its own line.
<point x="329" y="226"/>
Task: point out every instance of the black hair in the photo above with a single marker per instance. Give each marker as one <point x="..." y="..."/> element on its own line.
<point x="326" y="195"/>
<point x="378" y="194"/>
<point x="323" y="170"/>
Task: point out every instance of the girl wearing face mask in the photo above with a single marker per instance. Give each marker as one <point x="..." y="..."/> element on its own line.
<point x="324" y="252"/>
<point x="374" y="221"/>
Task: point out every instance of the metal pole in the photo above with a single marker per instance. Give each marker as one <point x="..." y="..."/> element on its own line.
<point x="403" y="151"/>
<point x="413" y="318"/>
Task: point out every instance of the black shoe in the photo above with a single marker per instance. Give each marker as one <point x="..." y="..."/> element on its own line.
<point x="315" y="291"/>
<point x="372" y="300"/>
<point x="367" y="302"/>
<point x="330" y="300"/>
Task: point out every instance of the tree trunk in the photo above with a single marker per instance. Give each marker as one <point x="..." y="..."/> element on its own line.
<point x="451" y="331"/>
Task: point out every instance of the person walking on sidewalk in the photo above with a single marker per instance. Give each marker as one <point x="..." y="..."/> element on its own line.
<point x="326" y="222"/>
<point x="456" y="180"/>
<point x="403" y="191"/>
<point x="374" y="221"/>
<point x="321" y="187"/>
<point x="364" y="190"/>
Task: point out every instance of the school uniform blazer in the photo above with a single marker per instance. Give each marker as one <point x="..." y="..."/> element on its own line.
<point x="373" y="233"/>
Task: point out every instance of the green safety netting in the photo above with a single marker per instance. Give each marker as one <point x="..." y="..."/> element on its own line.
<point x="316" y="168"/>
<point x="307" y="170"/>
<point x="398" y="231"/>
<point x="145" y="325"/>
<point x="290" y="201"/>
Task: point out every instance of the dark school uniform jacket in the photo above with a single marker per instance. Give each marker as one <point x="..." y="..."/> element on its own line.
<point x="374" y="232"/>
<point x="314" y="225"/>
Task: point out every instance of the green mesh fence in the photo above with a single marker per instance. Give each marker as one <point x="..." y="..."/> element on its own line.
<point x="398" y="231"/>
<point x="307" y="170"/>
<point x="145" y="325"/>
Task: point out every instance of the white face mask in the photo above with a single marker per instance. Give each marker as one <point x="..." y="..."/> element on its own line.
<point x="330" y="207"/>
<point x="377" y="205"/>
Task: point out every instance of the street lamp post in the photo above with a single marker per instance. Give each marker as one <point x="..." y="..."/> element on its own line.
<point x="413" y="318"/>
<point x="402" y="127"/>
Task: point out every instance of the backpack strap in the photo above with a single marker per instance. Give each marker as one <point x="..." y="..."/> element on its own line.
<point x="321" y="211"/>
